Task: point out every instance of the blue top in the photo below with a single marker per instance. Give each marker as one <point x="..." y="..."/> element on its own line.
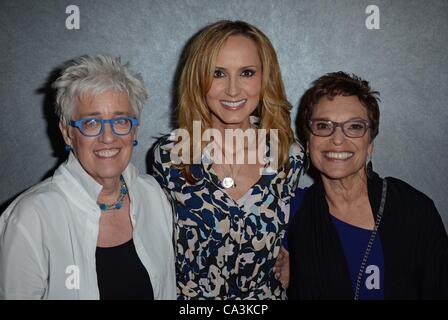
<point x="354" y="242"/>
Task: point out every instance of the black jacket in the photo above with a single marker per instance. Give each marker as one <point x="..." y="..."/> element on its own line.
<point x="413" y="238"/>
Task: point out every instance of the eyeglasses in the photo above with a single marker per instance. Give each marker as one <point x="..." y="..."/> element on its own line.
<point x="356" y="128"/>
<point x="92" y="127"/>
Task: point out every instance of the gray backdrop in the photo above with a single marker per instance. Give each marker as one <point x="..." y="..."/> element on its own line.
<point x="406" y="60"/>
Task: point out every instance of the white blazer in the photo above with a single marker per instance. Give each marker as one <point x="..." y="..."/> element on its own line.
<point x="48" y="236"/>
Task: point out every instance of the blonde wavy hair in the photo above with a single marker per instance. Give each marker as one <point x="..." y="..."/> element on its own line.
<point x="196" y="78"/>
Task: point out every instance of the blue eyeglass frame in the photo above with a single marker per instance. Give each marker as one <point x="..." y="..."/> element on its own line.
<point x="77" y="124"/>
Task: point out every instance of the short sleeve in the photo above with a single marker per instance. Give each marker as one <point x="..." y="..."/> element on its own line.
<point x="162" y="166"/>
<point x="296" y="160"/>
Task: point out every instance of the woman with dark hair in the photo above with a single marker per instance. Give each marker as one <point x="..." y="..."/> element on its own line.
<point x="357" y="235"/>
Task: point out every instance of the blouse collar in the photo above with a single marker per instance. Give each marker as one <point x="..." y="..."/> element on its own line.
<point x="83" y="186"/>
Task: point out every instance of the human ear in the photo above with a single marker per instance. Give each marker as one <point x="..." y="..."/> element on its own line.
<point x="65" y="132"/>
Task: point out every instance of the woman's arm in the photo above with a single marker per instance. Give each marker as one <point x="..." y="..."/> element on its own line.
<point x="23" y="272"/>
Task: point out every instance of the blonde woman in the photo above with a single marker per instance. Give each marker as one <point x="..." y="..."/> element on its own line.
<point x="231" y="211"/>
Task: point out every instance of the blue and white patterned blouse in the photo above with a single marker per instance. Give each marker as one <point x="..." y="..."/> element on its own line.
<point x="227" y="249"/>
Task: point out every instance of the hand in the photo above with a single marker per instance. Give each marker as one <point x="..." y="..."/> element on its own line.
<point x="281" y="268"/>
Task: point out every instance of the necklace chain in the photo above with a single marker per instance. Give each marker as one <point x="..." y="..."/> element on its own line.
<point x="119" y="202"/>
<point x="229" y="179"/>
<point x="371" y="240"/>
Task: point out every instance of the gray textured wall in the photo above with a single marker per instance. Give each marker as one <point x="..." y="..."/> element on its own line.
<point x="405" y="60"/>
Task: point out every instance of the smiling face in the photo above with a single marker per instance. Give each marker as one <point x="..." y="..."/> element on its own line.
<point x="338" y="156"/>
<point x="236" y="87"/>
<point x="106" y="156"/>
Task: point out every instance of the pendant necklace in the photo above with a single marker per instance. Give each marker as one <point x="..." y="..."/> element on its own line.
<point x="119" y="203"/>
<point x="228" y="182"/>
<point x="229" y="179"/>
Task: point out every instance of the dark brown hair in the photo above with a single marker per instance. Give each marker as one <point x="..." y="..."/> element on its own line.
<point x="338" y="84"/>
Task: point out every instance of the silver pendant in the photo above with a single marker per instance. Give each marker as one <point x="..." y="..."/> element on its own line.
<point x="228" y="182"/>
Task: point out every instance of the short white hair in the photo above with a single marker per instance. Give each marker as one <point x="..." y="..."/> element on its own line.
<point x="95" y="75"/>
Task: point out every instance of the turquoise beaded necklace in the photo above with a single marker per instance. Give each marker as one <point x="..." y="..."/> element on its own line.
<point x="119" y="203"/>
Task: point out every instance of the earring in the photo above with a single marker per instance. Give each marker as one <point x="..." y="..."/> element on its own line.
<point x="369" y="165"/>
<point x="68" y="147"/>
<point x="135" y="142"/>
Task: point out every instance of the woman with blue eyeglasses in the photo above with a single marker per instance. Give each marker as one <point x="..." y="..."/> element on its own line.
<point x="97" y="229"/>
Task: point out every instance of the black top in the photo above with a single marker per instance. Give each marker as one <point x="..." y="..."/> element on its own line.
<point x="413" y="237"/>
<point x="121" y="275"/>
